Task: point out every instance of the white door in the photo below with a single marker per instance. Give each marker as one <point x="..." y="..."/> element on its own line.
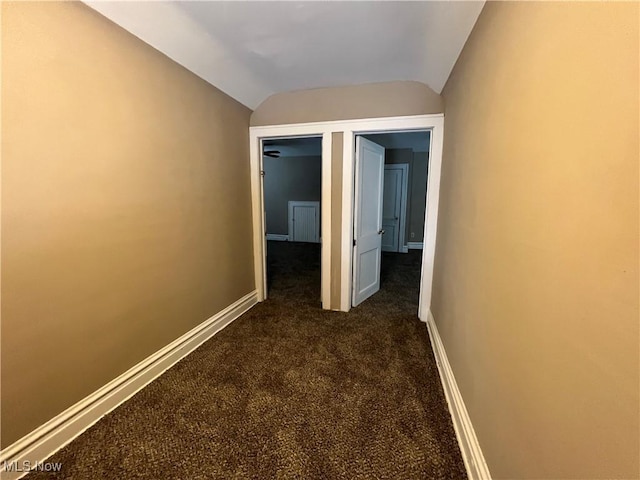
<point x="391" y="208"/>
<point x="367" y="219"/>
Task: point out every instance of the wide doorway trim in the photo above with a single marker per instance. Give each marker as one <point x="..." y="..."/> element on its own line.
<point x="431" y="123"/>
<point x="350" y="128"/>
<point x="256" y="136"/>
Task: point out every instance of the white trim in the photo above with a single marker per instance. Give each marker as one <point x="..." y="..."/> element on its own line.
<point x="415" y="245"/>
<point x="256" y="135"/>
<point x="431" y="218"/>
<point x="258" y="217"/>
<point x="62" y="429"/>
<point x="277" y="237"/>
<point x="432" y="123"/>
<point x="472" y="456"/>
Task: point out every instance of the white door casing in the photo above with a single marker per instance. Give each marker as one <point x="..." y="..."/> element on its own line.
<point x="349" y="129"/>
<point x="394" y="207"/>
<point x="435" y="125"/>
<point x="256" y="136"/>
<point x="367" y="249"/>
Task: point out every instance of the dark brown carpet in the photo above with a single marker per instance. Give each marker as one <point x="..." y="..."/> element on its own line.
<point x="289" y="391"/>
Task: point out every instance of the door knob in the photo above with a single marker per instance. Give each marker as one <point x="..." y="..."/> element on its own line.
<point x="381" y="232"/>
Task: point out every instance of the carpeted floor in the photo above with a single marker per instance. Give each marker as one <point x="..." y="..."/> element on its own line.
<point x="289" y="391"/>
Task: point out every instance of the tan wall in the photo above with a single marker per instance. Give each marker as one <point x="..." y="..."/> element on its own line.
<point x="125" y="206"/>
<point x="337" y="139"/>
<point x="372" y="100"/>
<point x="536" y="276"/>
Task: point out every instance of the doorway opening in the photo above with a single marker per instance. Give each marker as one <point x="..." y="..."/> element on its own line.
<point x="292" y="191"/>
<point x="338" y="198"/>
<point x="391" y="176"/>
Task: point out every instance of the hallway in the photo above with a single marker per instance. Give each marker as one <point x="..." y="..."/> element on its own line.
<point x="289" y="391"/>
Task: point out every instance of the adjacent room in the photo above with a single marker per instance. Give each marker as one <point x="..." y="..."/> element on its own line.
<point x="292" y="187"/>
<point x="404" y="195"/>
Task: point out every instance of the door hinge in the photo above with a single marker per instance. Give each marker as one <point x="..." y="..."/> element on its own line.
<point x="354" y="242"/>
<point x="262" y="173"/>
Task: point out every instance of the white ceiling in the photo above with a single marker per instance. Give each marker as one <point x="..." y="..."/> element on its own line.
<point x="251" y="50"/>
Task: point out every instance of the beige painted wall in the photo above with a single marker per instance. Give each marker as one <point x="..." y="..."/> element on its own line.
<point x="371" y="100"/>
<point x="536" y="275"/>
<point x="337" y="139"/>
<point x="125" y="206"/>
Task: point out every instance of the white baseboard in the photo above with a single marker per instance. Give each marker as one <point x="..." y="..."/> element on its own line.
<point x="62" y="429"/>
<point x="415" y="245"/>
<point x="277" y="237"/>
<point x="472" y="455"/>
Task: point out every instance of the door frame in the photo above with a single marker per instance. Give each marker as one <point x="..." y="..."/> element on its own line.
<point x="404" y="200"/>
<point x="256" y="137"/>
<point x="435" y="125"/>
<point x="349" y="128"/>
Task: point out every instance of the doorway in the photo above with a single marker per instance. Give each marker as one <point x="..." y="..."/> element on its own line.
<point x="263" y="139"/>
<point x="389" y="209"/>
<point x="292" y="190"/>
<point x="338" y="147"/>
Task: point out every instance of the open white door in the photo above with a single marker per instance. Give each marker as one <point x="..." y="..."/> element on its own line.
<point x="368" y="231"/>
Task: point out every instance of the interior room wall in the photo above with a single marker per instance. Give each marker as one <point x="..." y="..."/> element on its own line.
<point x="417" y="197"/>
<point x="536" y="275"/>
<point x="371" y="100"/>
<point x="287" y="179"/>
<point x="126" y="206"/>
<point x="417" y="188"/>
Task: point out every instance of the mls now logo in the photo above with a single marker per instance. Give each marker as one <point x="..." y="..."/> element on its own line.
<point x="28" y="466"/>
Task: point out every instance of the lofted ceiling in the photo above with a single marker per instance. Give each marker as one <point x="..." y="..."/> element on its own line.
<point x="253" y="49"/>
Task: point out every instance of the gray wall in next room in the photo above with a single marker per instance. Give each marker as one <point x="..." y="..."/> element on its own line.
<point x="417" y="196"/>
<point x="289" y="178"/>
<point x="417" y="191"/>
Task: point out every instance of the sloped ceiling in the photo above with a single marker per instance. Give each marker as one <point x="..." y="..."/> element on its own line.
<point x="251" y="50"/>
